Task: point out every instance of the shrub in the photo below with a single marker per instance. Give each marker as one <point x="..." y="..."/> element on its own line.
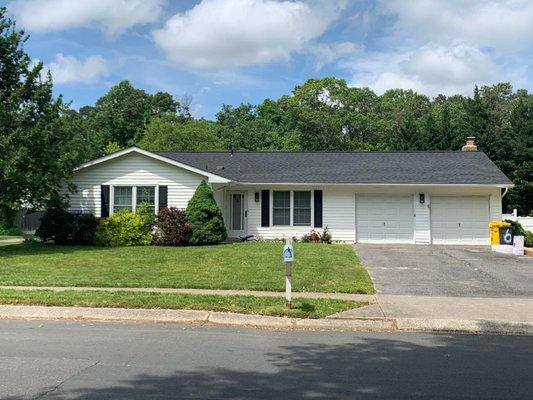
<point x="528" y="239"/>
<point x="172" y="228"/>
<point x="123" y="228"/>
<point x="63" y="227"/>
<point x="311" y="237"/>
<point x="84" y="228"/>
<point x="519" y="230"/>
<point x="205" y="217"/>
<point x="146" y="211"/>
<point x="317" y="237"/>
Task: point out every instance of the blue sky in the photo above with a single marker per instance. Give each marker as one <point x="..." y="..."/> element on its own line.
<point x="233" y="51"/>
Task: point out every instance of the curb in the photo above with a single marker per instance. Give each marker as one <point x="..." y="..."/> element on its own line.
<point x="259" y="321"/>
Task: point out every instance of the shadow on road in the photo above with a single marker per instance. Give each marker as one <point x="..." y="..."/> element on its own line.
<point x="442" y="366"/>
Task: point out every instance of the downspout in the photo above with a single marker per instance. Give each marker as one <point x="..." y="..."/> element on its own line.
<point x="505" y="192"/>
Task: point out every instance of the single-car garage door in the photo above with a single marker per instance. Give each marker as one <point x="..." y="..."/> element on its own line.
<point x="384" y="219"/>
<point x="460" y="219"/>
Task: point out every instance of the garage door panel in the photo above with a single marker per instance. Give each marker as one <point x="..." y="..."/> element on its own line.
<point x="385" y="219"/>
<point x="460" y="219"/>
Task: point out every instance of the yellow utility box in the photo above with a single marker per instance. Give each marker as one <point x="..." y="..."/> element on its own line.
<point x="494" y="227"/>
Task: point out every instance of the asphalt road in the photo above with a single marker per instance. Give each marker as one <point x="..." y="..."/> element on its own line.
<point x="456" y="271"/>
<point x="74" y="360"/>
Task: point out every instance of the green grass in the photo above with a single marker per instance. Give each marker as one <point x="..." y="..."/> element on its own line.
<point x="302" y="308"/>
<point x="252" y="266"/>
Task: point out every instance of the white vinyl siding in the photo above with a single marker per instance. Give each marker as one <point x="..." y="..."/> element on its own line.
<point x="132" y="170"/>
<point x="338" y="212"/>
<point x="384" y="218"/>
<point x="422" y="223"/>
<point x="460" y="219"/>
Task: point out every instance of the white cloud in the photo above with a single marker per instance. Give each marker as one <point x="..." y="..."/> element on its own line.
<point x="329" y="53"/>
<point x="231" y="33"/>
<point x="113" y="16"/>
<point x="68" y="69"/>
<point x="432" y="70"/>
<point x="502" y="24"/>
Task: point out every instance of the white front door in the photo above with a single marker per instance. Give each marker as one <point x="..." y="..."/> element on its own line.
<point x="460" y="219"/>
<point x="384" y="219"/>
<point x="237" y="219"/>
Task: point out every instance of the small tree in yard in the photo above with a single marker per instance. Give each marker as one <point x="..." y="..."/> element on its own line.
<point x="205" y="217"/>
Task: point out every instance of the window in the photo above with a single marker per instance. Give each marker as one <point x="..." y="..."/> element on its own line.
<point x="302" y="209"/>
<point x="146" y="195"/>
<point x="281" y="210"/>
<point x="122" y="198"/>
<point x="129" y="197"/>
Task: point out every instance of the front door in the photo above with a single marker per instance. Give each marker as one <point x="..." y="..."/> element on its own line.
<point x="238" y="212"/>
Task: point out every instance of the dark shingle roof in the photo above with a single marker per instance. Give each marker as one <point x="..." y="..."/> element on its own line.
<point x="428" y="167"/>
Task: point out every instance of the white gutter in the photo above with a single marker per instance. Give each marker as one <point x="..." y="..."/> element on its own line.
<point x="475" y="185"/>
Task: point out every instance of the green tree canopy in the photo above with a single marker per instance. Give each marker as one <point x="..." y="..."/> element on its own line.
<point x="35" y="151"/>
<point x="170" y="132"/>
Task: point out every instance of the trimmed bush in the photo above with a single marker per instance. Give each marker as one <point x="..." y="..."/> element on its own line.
<point x="172" y="228"/>
<point x="205" y="217"/>
<point x="123" y="228"/>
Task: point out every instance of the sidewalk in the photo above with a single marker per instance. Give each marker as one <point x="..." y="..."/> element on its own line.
<point x="385" y="313"/>
<point x="469" y="314"/>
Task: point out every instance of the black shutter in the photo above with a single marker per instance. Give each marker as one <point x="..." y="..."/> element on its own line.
<point x="104" y="201"/>
<point x="265" y="208"/>
<point x="163" y="197"/>
<point x="318" y="208"/>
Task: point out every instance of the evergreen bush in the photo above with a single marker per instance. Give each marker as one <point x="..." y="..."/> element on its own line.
<point x="205" y="217"/>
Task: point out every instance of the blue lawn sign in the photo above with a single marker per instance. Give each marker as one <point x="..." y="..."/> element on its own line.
<point x="288" y="253"/>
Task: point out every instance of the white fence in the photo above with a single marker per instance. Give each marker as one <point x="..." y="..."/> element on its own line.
<point x="526" y="222"/>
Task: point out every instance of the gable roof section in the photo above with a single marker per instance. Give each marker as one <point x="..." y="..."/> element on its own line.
<point x="211" y="177"/>
<point x="383" y="168"/>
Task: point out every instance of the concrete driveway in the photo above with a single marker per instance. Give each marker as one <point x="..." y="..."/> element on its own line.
<point x="461" y="271"/>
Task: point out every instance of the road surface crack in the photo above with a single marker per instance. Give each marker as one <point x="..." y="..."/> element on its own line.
<point x="61" y="383"/>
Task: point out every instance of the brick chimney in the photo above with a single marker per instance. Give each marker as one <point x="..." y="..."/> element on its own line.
<point x="470" y="144"/>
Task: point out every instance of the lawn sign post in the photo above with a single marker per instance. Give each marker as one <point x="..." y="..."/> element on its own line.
<point x="288" y="258"/>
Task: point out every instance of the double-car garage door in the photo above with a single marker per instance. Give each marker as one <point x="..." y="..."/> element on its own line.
<point x="452" y="219"/>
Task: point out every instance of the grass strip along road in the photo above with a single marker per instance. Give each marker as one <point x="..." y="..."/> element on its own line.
<point x="274" y="306"/>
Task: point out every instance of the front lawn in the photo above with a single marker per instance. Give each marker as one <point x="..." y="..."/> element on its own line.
<point x="251" y="266"/>
<point x="302" y="308"/>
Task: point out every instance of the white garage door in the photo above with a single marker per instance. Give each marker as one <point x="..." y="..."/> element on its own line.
<point x="460" y="220"/>
<point x="384" y="219"/>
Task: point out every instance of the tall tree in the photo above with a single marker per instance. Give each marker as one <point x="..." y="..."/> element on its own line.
<point x="34" y="146"/>
<point x="120" y="117"/>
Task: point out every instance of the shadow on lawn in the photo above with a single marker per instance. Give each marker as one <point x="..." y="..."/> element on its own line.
<point x="24" y="249"/>
<point x="445" y="366"/>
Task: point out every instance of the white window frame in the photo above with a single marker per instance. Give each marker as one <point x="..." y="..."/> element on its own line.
<point x="133" y="196"/>
<point x="271" y="210"/>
